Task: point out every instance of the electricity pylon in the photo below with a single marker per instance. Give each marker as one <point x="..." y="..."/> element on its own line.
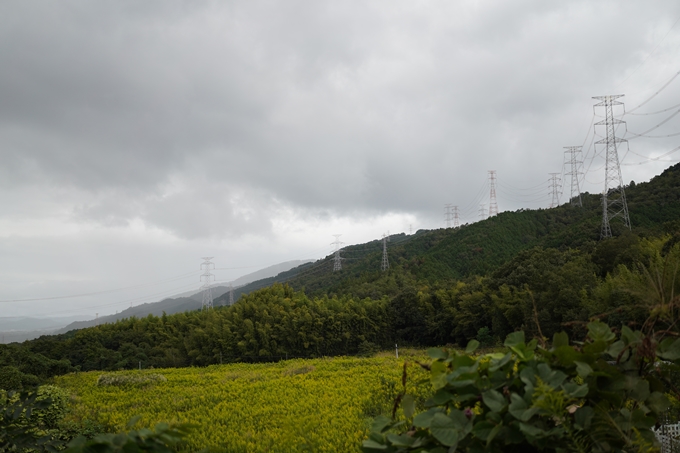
<point x="555" y="190"/>
<point x="493" y="205"/>
<point x="231" y="294"/>
<point x="385" y="261"/>
<point x="613" y="197"/>
<point x="208" y="278"/>
<point x="447" y="215"/>
<point x="337" y="260"/>
<point x="456" y="219"/>
<point x="575" y="194"/>
<point x="482" y="211"/>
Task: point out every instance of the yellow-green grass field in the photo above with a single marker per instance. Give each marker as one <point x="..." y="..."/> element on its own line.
<point x="319" y="405"/>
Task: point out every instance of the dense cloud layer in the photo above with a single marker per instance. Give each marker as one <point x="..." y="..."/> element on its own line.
<point x="212" y="125"/>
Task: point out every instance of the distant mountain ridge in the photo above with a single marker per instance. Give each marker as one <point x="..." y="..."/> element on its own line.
<point x="16" y="329"/>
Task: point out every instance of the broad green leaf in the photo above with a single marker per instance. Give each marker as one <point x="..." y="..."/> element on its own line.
<point x="373" y="445"/>
<point x="615" y="349"/>
<point x="599" y="331"/>
<point x="472" y="346"/>
<point x="669" y="349"/>
<point x="531" y="430"/>
<point x="409" y="405"/>
<point x="437" y="353"/>
<point x="583" y="369"/>
<point x="576" y="391"/>
<point x="520" y="409"/>
<point x="441" y="397"/>
<point x="438" y="374"/>
<point x="380" y="423"/>
<point x="494" y="400"/>
<point x="461" y="422"/>
<point x="482" y="429"/>
<point x="560" y="339"/>
<point x="443" y="429"/>
<point x="400" y="440"/>
<point x="514" y="339"/>
<point x="424" y="419"/>
<point x="641" y="391"/>
<point x="658" y="402"/>
<point x="493" y="434"/>
<point x="583" y="416"/>
<point x="497" y="364"/>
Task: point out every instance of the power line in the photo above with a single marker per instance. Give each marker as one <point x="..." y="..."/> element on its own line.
<point x="97" y="293"/>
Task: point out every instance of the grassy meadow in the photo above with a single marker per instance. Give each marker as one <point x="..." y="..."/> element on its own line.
<point x="320" y="405"/>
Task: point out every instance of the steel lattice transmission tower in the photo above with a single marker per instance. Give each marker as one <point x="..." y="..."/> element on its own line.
<point x="493" y="205"/>
<point x="482" y="211"/>
<point x="456" y="219"/>
<point x="208" y="278"/>
<point x="231" y="294"/>
<point x="337" y="260"/>
<point x="575" y="194"/>
<point x="613" y="197"/>
<point x="447" y="215"/>
<point x="385" y="261"/>
<point x="555" y="186"/>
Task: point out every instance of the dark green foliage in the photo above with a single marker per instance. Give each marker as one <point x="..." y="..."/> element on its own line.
<point x="28" y="419"/>
<point x="602" y="395"/>
<point x="163" y="438"/>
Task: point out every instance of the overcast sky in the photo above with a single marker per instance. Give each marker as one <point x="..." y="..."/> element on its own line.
<point x="137" y="137"/>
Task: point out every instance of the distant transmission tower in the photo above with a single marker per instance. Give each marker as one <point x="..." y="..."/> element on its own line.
<point x="447" y="215"/>
<point x="482" y="211"/>
<point x="208" y="278"/>
<point x="493" y="206"/>
<point x="231" y="294"/>
<point x="456" y="219"/>
<point x="555" y="186"/>
<point x="613" y="197"/>
<point x="575" y="194"/>
<point x="337" y="260"/>
<point x="385" y="262"/>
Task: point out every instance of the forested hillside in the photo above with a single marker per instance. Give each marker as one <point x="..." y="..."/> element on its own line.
<point x="478" y="249"/>
<point x="540" y="271"/>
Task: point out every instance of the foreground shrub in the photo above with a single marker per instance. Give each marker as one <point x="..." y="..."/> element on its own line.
<point x="132" y="380"/>
<point x="602" y="395"/>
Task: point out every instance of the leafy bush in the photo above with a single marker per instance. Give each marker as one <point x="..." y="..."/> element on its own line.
<point x="602" y="395"/>
<point x="132" y="380"/>
<point x="161" y="439"/>
<point x="10" y="378"/>
<point x="23" y="422"/>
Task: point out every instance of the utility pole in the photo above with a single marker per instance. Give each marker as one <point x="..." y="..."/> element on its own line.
<point x="447" y="215"/>
<point x="337" y="260"/>
<point x="208" y="278"/>
<point x="456" y="219"/>
<point x="493" y="206"/>
<point x="575" y="194"/>
<point x="613" y="197"/>
<point x="231" y="294"/>
<point x="482" y="211"/>
<point x="555" y="190"/>
<point x="385" y="261"/>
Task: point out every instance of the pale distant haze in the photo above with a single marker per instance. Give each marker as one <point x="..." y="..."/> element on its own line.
<point x="137" y="137"/>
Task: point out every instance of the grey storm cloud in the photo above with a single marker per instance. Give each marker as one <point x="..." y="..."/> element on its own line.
<point x="257" y="106"/>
